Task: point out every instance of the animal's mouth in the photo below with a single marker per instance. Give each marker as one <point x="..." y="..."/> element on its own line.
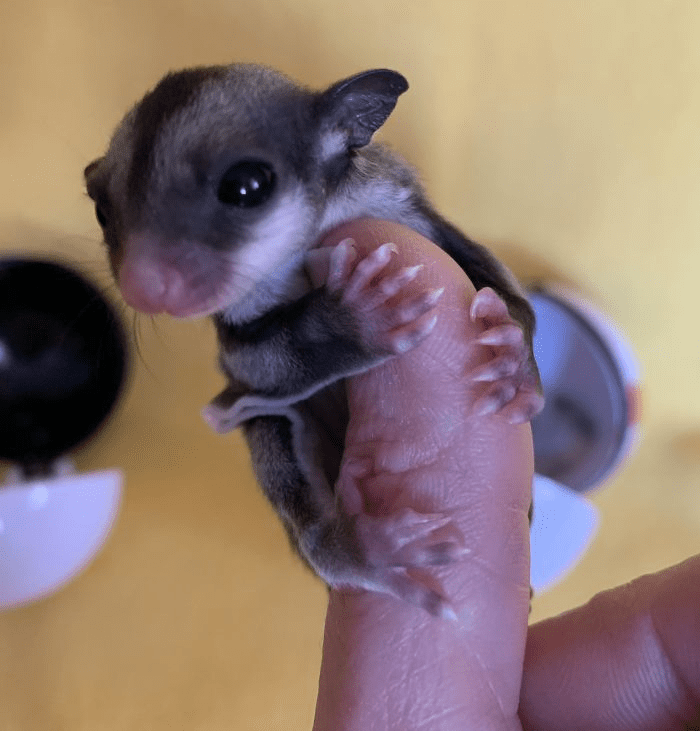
<point x="195" y="312"/>
<point x="189" y="304"/>
<point x="181" y="279"/>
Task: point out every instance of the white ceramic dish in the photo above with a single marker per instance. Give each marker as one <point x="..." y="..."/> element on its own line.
<point x="588" y="428"/>
<point x="51" y="530"/>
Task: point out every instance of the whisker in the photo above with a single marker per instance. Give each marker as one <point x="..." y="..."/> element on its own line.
<point x="138" y="339"/>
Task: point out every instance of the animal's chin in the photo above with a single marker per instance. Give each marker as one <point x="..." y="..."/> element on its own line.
<point x="198" y="310"/>
<point x="178" y="310"/>
<point x="189" y="314"/>
<point x="181" y="309"/>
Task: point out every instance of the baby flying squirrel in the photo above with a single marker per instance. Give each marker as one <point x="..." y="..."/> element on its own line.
<point x="215" y="187"/>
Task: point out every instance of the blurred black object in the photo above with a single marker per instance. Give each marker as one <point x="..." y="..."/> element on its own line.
<point x="63" y="362"/>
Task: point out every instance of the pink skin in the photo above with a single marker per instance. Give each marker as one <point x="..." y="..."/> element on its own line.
<point x="416" y="438"/>
<point x="628" y="660"/>
<point x="180" y="279"/>
<point x="147" y="282"/>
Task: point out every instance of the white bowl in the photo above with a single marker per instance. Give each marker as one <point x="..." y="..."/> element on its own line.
<point x="51" y="530"/>
<point x="587" y="429"/>
<point x="590" y="422"/>
<point x="563" y="526"/>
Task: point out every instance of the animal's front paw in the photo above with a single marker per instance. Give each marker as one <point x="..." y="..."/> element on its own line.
<point x="511" y="384"/>
<point x="391" y="316"/>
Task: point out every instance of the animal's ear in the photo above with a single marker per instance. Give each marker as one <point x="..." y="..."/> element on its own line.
<point x="357" y="107"/>
<point x="91" y="168"/>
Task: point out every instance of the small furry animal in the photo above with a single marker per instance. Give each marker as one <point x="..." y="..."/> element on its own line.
<point x="213" y="190"/>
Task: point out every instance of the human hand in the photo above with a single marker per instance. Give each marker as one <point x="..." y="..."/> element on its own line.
<point x="388" y="664"/>
<point x="627" y="660"/>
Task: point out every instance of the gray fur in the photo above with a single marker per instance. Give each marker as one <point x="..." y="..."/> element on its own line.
<point x="284" y="345"/>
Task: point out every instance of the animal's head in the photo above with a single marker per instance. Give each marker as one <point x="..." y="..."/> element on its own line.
<point x="214" y="182"/>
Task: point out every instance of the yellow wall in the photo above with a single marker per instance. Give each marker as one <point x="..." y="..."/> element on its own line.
<point x="564" y="132"/>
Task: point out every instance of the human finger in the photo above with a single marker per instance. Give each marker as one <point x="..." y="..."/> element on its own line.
<point x="389" y="664"/>
<point x="627" y="660"/>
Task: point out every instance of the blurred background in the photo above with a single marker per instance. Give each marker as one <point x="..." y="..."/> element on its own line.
<point x="564" y="134"/>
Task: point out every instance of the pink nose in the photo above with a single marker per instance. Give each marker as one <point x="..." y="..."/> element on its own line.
<point x="151" y="286"/>
<point x="149" y="277"/>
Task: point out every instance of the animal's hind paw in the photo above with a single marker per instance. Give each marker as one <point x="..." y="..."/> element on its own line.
<point x="388" y="554"/>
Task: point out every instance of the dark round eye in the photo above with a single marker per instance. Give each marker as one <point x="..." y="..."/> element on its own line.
<point x="100" y="215"/>
<point x="247" y="184"/>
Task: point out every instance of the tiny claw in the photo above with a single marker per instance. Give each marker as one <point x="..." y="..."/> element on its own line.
<point x="496" y="369"/>
<point x="445" y="553"/>
<point x="430" y="325"/>
<point x="405" y="343"/>
<point x="495" y="401"/>
<point x="385" y="251"/>
<point x="517" y="417"/>
<point x="412" y="272"/>
<point x="486" y="406"/>
<point x="446" y="612"/>
<point x="501" y="335"/>
<point x="528" y="411"/>
<point x="433" y="296"/>
<point x="342" y="256"/>
<point x="487" y="303"/>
